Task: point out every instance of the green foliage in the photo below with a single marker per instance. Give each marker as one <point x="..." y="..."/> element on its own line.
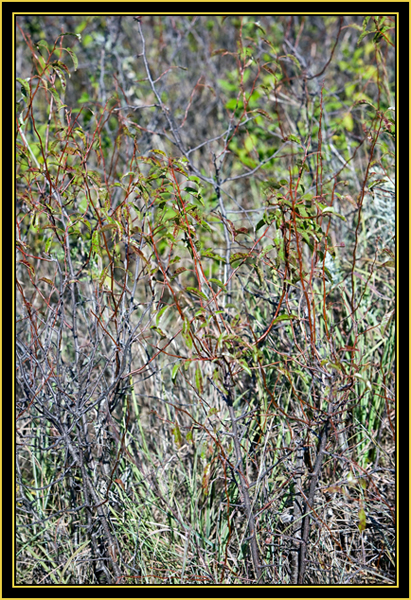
<point x="205" y="261"/>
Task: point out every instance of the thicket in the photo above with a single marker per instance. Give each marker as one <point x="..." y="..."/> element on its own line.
<point x="205" y="293"/>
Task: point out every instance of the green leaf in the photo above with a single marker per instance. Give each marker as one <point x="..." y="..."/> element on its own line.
<point x="362" y="36"/>
<point x="219" y="283"/>
<point x="196" y="292"/>
<point x="199" y="380"/>
<point x="364" y="23"/>
<point x="331" y="210"/>
<point x="294" y="138"/>
<point x="257" y="24"/>
<point x="362" y="521"/>
<point x="328" y="275"/>
<point x="159" y="331"/>
<point x="42" y="43"/>
<point x="178" y="438"/>
<point x="284" y="318"/>
<point x="47" y="280"/>
<point x="206" y="226"/>
<point x="95" y="243"/>
<point x="78" y="131"/>
<point x="191" y="190"/>
<point x="213" y="255"/>
<point x="238" y="256"/>
<point x="42" y="62"/>
<point x="348" y="122"/>
<point x="245" y="367"/>
<point x="174" y="371"/>
<point x="77" y="35"/>
<point x="266" y="250"/>
<point x="60" y="74"/>
<point x="25" y="86"/>
<point x="73" y="57"/>
<point x="84" y="98"/>
<point x="306" y="239"/>
<point x="188" y="340"/>
<point x="48" y="244"/>
<point x="231" y="104"/>
<point x="186" y="326"/>
<point x="294" y="59"/>
<point x="161" y="312"/>
<point x="301" y="210"/>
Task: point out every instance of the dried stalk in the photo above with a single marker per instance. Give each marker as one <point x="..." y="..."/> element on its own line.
<point x="255" y="555"/>
<point x="310" y="501"/>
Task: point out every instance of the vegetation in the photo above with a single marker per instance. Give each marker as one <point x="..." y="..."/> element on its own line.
<point x="205" y="236"/>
